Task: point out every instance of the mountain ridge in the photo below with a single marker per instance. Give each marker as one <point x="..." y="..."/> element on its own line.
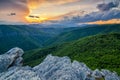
<point x="83" y="32"/>
<point x="30" y="37"/>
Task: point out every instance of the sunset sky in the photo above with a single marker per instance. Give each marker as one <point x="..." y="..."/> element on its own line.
<point x="27" y="11"/>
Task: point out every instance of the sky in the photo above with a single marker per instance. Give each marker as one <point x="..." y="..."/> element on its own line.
<point x="37" y="11"/>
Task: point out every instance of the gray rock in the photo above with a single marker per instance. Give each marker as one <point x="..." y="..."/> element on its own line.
<point x="97" y="74"/>
<point x="11" y="58"/>
<point x="15" y="51"/>
<point x="18" y="73"/>
<point x="52" y="68"/>
<point x="109" y="75"/>
<point x="112" y="76"/>
<point x="5" y="62"/>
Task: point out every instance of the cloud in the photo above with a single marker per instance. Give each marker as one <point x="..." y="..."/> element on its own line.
<point x="18" y="8"/>
<point x="108" y="6"/>
<point x="32" y="16"/>
<point x="112" y="21"/>
<point x="61" y="1"/>
<point x="12" y="14"/>
<point x="33" y="4"/>
<point x="106" y="12"/>
<point x="13" y="5"/>
<point x="91" y="17"/>
<point x="23" y="8"/>
<point x="95" y="16"/>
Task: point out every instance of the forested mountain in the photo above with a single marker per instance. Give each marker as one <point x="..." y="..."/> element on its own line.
<point x="83" y="32"/>
<point x="100" y="51"/>
<point x="26" y="37"/>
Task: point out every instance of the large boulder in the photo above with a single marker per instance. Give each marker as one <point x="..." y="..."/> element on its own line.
<point x="57" y="68"/>
<point x="11" y="58"/>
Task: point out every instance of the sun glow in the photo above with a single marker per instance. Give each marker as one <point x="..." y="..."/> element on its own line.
<point x="35" y="19"/>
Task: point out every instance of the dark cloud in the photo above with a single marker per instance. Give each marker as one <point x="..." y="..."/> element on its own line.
<point x="108" y="6"/>
<point x="12" y="14"/>
<point x="91" y="17"/>
<point x="96" y="16"/>
<point x="32" y="16"/>
<point x="106" y="12"/>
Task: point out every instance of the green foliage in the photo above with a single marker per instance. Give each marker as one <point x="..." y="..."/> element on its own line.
<point x="12" y="36"/>
<point x="83" y="32"/>
<point x="99" y="51"/>
<point x="26" y="37"/>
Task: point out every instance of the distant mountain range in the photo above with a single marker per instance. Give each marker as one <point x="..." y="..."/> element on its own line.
<point x="83" y="32"/>
<point x="30" y="37"/>
<point x="26" y="37"/>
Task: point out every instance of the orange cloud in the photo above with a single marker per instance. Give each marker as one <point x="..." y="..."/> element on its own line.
<point x="32" y="4"/>
<point x="112" y="21"/>
<point x="61" y="1"/>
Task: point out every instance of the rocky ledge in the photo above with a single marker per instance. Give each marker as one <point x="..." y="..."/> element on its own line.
<point x="52" y="68"/>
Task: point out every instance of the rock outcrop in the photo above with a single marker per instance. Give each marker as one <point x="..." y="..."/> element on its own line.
<point x="11" y="58"/>
<point x="52" y="68"/>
